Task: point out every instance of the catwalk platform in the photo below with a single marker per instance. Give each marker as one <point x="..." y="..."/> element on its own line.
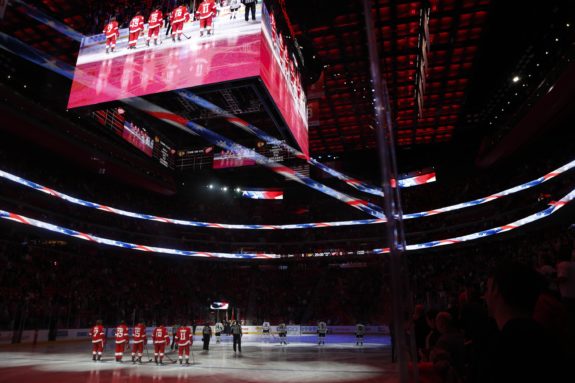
<point x="261" y="360"/>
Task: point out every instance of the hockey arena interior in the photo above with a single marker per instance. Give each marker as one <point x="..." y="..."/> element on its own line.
<point x="287" y="191"/>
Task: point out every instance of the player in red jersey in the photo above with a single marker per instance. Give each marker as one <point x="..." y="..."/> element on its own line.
<point x="154" y="25"/>
<point x="139" y="339"/>
<point x="136" y="27"/>
<point x="112" y="32"/>
<point x="161" y="340"/>
<point x="121" y="336"/>
<point x="178" y="17"/>
<point x="185" y="340"/>
<point x="206" y="13"/>
<point x="98" y="339"/>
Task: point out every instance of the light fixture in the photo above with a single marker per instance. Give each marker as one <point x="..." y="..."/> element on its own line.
<point x="210" y="186"/>
<point x="225" y="188"/>
<point x="516" y="79"/>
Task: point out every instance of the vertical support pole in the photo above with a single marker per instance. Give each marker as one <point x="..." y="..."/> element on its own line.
<point x="391" y="201"/>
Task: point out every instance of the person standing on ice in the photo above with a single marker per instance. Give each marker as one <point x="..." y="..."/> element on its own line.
<point x="359" y="333"/>
<point x="122" y="340"/>
<point x="206" y="336"/>
<point x="321" y="331"/>
<point x="219" y="329"/>
<point x="282" y="332"/>
<point x="98" y="338"/>
<point x="237" y="334"/>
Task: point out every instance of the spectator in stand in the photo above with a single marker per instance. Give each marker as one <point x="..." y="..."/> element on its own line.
<point x="432" y="336"/>
<point x="420" y="327"/>
<point x="522" y="351"/>
<point x="449" y="350"/>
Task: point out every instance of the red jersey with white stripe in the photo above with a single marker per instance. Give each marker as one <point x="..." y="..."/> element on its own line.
<point x="137" y="24"/>
<point x="160" y="335"/>
<point x="206" y="10"/>
<point x="111" y="29"/>
<point x="155" y="20"/>
<point x="121" y="333"/>
<point x="139" y="333"/>
<point x="97" y="333"/>
<point x="184" y="336"/>
<point x="179" y="14"/>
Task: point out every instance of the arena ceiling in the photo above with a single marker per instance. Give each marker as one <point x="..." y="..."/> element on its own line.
<point x="333" y="33"/>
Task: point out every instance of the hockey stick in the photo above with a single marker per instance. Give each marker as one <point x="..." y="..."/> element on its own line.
<point x="148" y="353"/>
<point x="170" y="359"/>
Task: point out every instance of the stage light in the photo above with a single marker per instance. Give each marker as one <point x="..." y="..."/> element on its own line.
<point x="210" y="186"/>
<point x="516" y="79"/>
<point x="225" y="188"/>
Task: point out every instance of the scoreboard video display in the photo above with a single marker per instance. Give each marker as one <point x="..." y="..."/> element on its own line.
<point x="195" y="53"/>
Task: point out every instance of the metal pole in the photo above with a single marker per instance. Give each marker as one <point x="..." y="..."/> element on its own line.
<point x="391" y="204"/>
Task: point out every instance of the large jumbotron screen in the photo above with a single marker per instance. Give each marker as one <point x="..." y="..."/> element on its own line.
<point x="235" y="50"/>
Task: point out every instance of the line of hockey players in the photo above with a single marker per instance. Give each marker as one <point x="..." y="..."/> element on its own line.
<point x="322" y="331"/>
<point x="183" y="339"/>
<point x="175" y="21"/>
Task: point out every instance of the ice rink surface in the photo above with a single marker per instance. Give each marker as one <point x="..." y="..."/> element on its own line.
<point x="261" y="360"/>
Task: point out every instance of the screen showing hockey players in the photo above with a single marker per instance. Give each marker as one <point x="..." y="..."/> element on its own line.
<point x="168" y="49"/>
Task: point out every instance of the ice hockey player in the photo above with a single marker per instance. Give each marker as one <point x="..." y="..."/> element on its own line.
<point x="139" y="340"/>
<point x="206" y="335"/>
<point x="205" y="13"/>
<point x="112" y="33"/>
<point x="121" y="336"/>
<point x="282" y="332"/>
<point x="155" y="22"/>
<point x="321" y="331"/>
<point x="234" y="6"/>
<point x="237" y="334"/>
<point x="136" y="27"/>
<point x="266" y="329"/>
<point x="161" y="340"/>
<point x="359" y="333"/>
<point x="185" y="340"/>
<point x="219" y="329"/>
<point x="98" y="338"/>
<point x="178" y="17"/>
